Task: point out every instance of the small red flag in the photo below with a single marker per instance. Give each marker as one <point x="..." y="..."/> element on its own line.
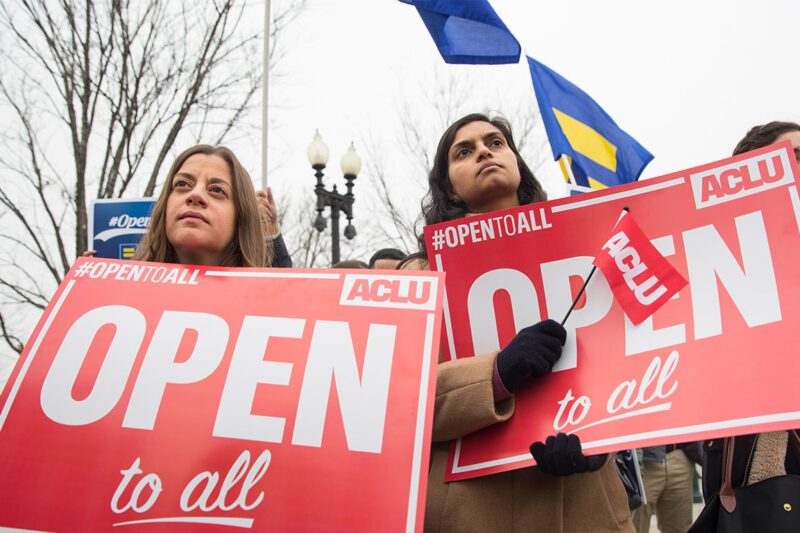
<point x="640" y="277"/>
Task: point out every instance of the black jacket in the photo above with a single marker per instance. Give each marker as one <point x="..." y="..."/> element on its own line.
<point x="742" y="455"/>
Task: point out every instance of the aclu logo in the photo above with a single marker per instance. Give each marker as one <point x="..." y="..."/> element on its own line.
<point x="402" y="292"/>
<point x="743" y="178"/>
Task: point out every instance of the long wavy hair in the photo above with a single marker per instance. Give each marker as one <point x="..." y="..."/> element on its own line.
<point x="248" y="248"/>
<point x="438" y="204"/>
<point x="764" y="135"/>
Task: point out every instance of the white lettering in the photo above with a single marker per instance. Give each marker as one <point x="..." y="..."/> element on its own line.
<point x="451" y="236"/>
<point x="463" y="231"/>
<point x="248" y="369"/>
<point x="56" y="396"/>
<point x="572" y="419"/>
<point x="112" y="268"/>
<point x="487" y="229"/>
<point x="160" y="272"/>
<point x="159" y="366"/>
<point x="631" y="396"/>
<point x="558" y="296"/>
<point x="752" y="287"/>
<point x="123" y="271"/>
<point x="474" y="232"/>
<point x="480" y="305"/>
<point x="150" y="480"/>
<point x="522" y="223"/>
<point x="508" y="222"/>
<point x="237" y="470"/>
<point x="362" y="402"/>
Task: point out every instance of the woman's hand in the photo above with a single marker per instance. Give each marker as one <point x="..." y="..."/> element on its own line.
<point x="89" y="253"/>
<point x="562" y="456"/>
<point x="269" y="211"/>
<point x="531" y="353"/>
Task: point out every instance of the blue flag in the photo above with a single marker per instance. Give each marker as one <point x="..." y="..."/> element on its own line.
<point x="468" y="31"/>
<point x="601" y="154"/>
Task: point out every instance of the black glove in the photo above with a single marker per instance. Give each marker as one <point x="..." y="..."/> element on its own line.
<point x="531" y="353"/>
<point x="562" y="456"/>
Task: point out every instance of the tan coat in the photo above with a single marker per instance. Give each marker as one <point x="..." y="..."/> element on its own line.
<point x="521" y="500"/>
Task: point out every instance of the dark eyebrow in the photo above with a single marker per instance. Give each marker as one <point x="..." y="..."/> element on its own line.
<point x="218" y="180"/>
<point x="457" y="146"/>
<point x="211" y="180"/>
<point x="488" y="136"/>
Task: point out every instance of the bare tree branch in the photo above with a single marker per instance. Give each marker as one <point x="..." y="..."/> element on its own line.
<point x="11" y="339"/>
<point x="96" y="94"/>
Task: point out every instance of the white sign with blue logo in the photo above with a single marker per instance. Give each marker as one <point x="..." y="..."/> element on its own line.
<point x="117" y="224"/>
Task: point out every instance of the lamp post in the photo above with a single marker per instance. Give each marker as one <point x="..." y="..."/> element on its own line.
<point x="351" y="164"/>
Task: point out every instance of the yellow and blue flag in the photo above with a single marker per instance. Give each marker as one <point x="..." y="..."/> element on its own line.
<point x="600" y="153"/>
<point x="468" y="32"/>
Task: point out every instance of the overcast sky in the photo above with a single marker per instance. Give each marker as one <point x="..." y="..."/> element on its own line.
<point x="686" y="79"/>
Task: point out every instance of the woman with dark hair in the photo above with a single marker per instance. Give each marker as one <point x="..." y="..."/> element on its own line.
<point x="441" y="205"/>
<point x="478" y="169"/>
<point x="206" y="214"/>
<point x="770" y="133"/>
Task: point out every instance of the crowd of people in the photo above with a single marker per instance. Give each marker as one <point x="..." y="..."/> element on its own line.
<point x="208" y="213"/>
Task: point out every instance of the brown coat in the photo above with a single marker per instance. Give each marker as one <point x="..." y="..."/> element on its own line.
<point x="515" y="501"/>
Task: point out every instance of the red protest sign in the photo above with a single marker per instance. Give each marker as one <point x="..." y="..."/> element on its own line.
<point x="641" y="279"/>
<point x="161" y="397"/>
<point x="716" y="359"/>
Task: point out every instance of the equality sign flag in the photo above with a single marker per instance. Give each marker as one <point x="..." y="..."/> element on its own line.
<point x="600" y="153"/>
<point x="718" y="358"/>
<point x="160" y="397"/>
<point x="641" y="279"/>
<point x="116" y="225"/>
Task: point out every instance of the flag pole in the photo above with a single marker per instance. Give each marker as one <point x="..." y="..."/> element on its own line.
<point x="575" y="301"/>
<point x="566" y="169"/>
<point x="265" y="99"/>
<point x="585" y="283"/>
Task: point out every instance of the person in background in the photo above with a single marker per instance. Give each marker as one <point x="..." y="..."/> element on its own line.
<point x="770" y="133"/>
<point x="350" y="263"/>
<point x="386" y="258"/>
<point x="667" y="474"/>
<point x="206" y="214"/>
<point x="270" y="213"/>
<point x="763" y="455"/>
<point x="477" y="169"/>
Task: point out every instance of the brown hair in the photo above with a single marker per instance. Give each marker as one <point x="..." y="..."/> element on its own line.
<point x="764" y="135"/>
<point x="248" y="248"/>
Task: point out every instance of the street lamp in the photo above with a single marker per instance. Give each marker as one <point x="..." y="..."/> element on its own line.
<point x="318" y="154"/>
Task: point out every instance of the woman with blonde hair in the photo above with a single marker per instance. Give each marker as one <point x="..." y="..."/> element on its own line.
<point x="207" y="214"/>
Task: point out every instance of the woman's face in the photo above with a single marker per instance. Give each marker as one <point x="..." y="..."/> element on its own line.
<point x="200" y="215"/>
<point x="483" y="169"/>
